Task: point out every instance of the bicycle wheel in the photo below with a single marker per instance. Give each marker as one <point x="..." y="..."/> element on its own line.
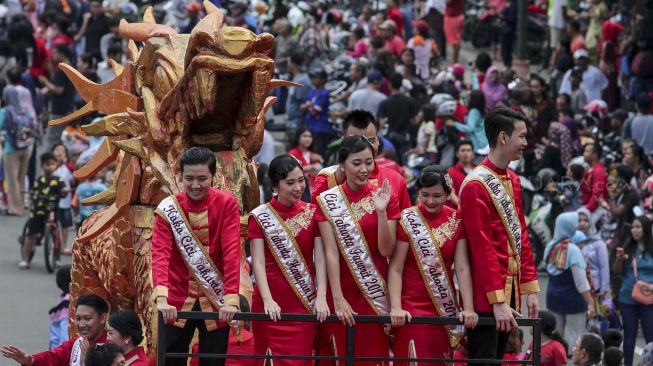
<point x="56" y="246"/>
<point x="47" y="249"/>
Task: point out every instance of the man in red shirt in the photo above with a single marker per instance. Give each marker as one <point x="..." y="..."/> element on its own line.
<point x="198" y="231"/>
<point x="465" y="156"/>
<point x="500" y="252"/>
<point x="391" y="41"/>
<point x="91" y="312"/>
<point x="362" y="123"/>
<point x="595" y="180"/>
<point x="454" y="21"/>
<point x="394" y="14"/>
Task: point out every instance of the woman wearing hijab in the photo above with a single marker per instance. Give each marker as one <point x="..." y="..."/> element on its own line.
<point x="595" y="251"/>
<point x="494" y="91"/>
<point x="568" y="294"/>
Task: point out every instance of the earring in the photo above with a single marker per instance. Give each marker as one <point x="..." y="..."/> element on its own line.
<point x="342" y="169"/>
<point x="126" y="342"/>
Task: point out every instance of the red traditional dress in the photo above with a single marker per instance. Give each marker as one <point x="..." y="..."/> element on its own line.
<point x="137" y="357"/>
<point x="431" y="341"/>
<point x="305" y="159"/>
<point x="371" y="339"/>
<point x="66" y="354"/>
<point x="326" y="179"/>
<point x="286" y="338"/>
<point x="499" y="274"/>
<point x="216" y="223"/>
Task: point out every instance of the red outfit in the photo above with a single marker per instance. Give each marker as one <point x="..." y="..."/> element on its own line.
<point x="370" y="339"/>
<point x="457" y="174"/>
<point x="324" y="181"/>
<point x="299" y="154"/>
<point x="137" y="357"/>
<point x="496" y="271"/>
<point x="60" y="356"/>
<point x="395" y="45"/>
<point x="286" y="338"/>
<point x="431" y="341"/>
<point x="216" y="223"/>
<point x="553" y="353"/>
<point x="593" y="186"/>
<point x="384" y="163"/>
<point x="395" y="15"/>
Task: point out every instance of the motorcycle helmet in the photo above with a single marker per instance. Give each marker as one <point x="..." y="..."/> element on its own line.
<point x="440" y="98"/>
<point x="597" y="108"/>
<point x="447" y="108"/>
<point x="444" y="76"/>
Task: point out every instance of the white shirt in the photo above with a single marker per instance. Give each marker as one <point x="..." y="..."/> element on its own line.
<point x="557" y="14"/>
<point x="67" y="176"/>
<point x="593" y="83"/>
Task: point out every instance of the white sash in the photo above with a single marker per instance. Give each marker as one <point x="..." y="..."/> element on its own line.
<point x="354" y="248"/>
<point x="503" y="203"/>
<point x="76" y="352"/>
<point x="287" y="254"/>
<point x="426" y="248"/>
<point x="198" y="261"/>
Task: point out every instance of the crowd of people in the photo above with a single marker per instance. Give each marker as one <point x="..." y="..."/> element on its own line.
<point x="429" y="118"/>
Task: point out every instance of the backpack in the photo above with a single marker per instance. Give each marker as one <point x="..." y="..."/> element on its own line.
<point x="20" y="128"/>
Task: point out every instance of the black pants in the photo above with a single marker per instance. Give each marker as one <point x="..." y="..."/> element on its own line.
<point x="485" y="341"/>
<point x="178" y="341"/>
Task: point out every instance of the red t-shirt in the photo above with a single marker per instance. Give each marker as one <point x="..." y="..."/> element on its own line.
<point x="395" y="15"/>
<point x="553" y="353"/>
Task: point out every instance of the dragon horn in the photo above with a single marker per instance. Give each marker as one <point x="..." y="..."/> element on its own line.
<point x="141" y="32"/>
<point x="210" y="7"/>
<point x="148" y="16"/>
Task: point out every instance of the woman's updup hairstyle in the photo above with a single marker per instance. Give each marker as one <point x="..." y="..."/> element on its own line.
<point x="647" y="238"/>
<point x="501" y="119"/>
<point x="280" y="167"/>
<point x="103" y="355"/>
<point x="127" y="323"/>
<point x="352" y="145"/>
<point x="198" y="156"/>
<point x="549" y="328"/>
<point x="434" y="175"/>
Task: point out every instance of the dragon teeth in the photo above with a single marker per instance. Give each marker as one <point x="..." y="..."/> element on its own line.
<point x="206" y="88"/>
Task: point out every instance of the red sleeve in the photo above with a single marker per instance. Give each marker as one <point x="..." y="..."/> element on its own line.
<point x="528" y="279"/>
<point x="478" y="207"/>
<point x="599" y="187"/>
<point x="55" y="357"/>
<point x="404" y="198"/>
<point x="402" y="235"/>
<point x="320" y="184"/>
<point x="254" y="229"/>
<point x="559" y="355"/>
<point x="162" y="242"/>
<point x="230" y="243"/>
<point x="319" y="215"/>
<point x="393" y="211"/>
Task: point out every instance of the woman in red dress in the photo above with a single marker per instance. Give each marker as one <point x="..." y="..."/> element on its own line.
<point x="429" y="242"/>
<point x="289" y="266"/>
<point x="357" y="221"/>
<point x="126" y="331"/>
<point x="311" y="162"/>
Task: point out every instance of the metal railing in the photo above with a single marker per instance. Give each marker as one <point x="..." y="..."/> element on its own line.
<point x="349" y="358"/>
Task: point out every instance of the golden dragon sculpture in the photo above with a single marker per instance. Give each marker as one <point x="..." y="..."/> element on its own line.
<point x="208" y="88"/>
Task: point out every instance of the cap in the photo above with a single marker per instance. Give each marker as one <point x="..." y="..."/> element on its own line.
<point x="194" y="7"/>
<point x="388" y="24"/>
<point x="421" y="26"/>
<point x="374" y="76"/>
<point x="458" y="70"/>
<point x="619" y="114"/>
<point x="317" y="72"/>
<point x="580" y="53"/>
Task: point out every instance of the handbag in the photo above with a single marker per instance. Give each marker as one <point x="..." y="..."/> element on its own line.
<point x="641" y="293"/>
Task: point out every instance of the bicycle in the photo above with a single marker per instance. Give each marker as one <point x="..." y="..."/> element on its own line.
<point x="51" y="244"/>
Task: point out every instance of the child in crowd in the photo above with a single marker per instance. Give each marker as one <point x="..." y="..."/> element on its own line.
<point x="553" y="350"/>
<point x="86" y="189"/>
<point x="613" y="356"/>
<point x="514" y="346"/>
<point x="65" y="212"/>
<point x="578" y="97"/>
<point x="58" y="315"/>
<point x="612" y="338"/>
<point x="48" y="190"/>
<point x="426" y="134"/>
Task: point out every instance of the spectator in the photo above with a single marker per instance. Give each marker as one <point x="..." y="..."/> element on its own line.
<point x="635" y="263"/>
<point x="407" y="58"/>
<point x="568" y="294"/>
<point x="637" y="161"/>
<point x="297" y="95"/>
<point x="553" y="351"/>
<point x="464" y="164"/>
<point x="286" y="43"/>
<point x="595" y="181"/>
<point x="623" y="198"/>
<point x="494" y="91"/>
<point x="595" y="252"/>
<point x="126" y="331"/>
<point x="398" y="112"/>
<point x="578" y="97"/>
<point x="454" y="20"/>
<point x="546" y="112"/>
<point x="474" y="125"/>
<point x="612" y="338"/>
<point x="316" y="106"/>
<point x="360" y="47"/>
<point x="613" y="356"/>
<point x="587" y="350"/>
<point x="557" y="14"/>
<point x="95" y="25"/>
<point x="86" y="189"/>
<point x="61" y="92"/>
<point x="593" y="81"/>
<point x="193" y="11"/>
<point x="369" y="98"/>
<point x="598" y="13"/>
<point x="571" y="186"/>
<point x="311" y="162"/>
<point x="641" y="127"/>
<point x="394" y="14"/>
<point x="311" y="41"/>
<point x="105" y="355"/>
<point x="391" y="41"/>
<point x="105" y="69"/>
<point x="574" y="34"/>
<point x="64" y="212"/>
<point x="112" y="38"/>
<point x="614" y="138"/>
<point x="357" y="81"/>
<point x="426" y="134"/>
<point x="424" y="48"/>
<point x="514" y="346"/>
<point x="508" y="31"/>
<point x="58" y="315"/>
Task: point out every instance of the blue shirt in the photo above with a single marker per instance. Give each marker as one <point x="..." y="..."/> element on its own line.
<point x="9" y="148"/>
<point x="85" y="190"/>
<point x="296" y="96"/>
<point x="644" y="273"/>
<point x="474" y="127"/>
<point x="320" y="121"/>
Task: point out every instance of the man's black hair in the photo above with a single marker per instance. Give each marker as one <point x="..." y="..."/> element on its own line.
<point x="461" y="143"/>
<point x="612" y="338"/>
<point x="593" y="345"/>
<point x="359" y="118"/>
<point x="93" y="301"/>
<point x="577" y="171"/>
<point x="15" y="74"/>
<point x="114" y="50"/>
<point x="46" y="156"/>
<point x="198" y="156"/>
<point x="396" y="81"/>
<point x="596" y="148"/>
<point x="63" y="49"/>
<point x="297" y="59"/>
<point x="103" y="355"/>
<point x="501" y="119"/>
<point x="613" y="356"/>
